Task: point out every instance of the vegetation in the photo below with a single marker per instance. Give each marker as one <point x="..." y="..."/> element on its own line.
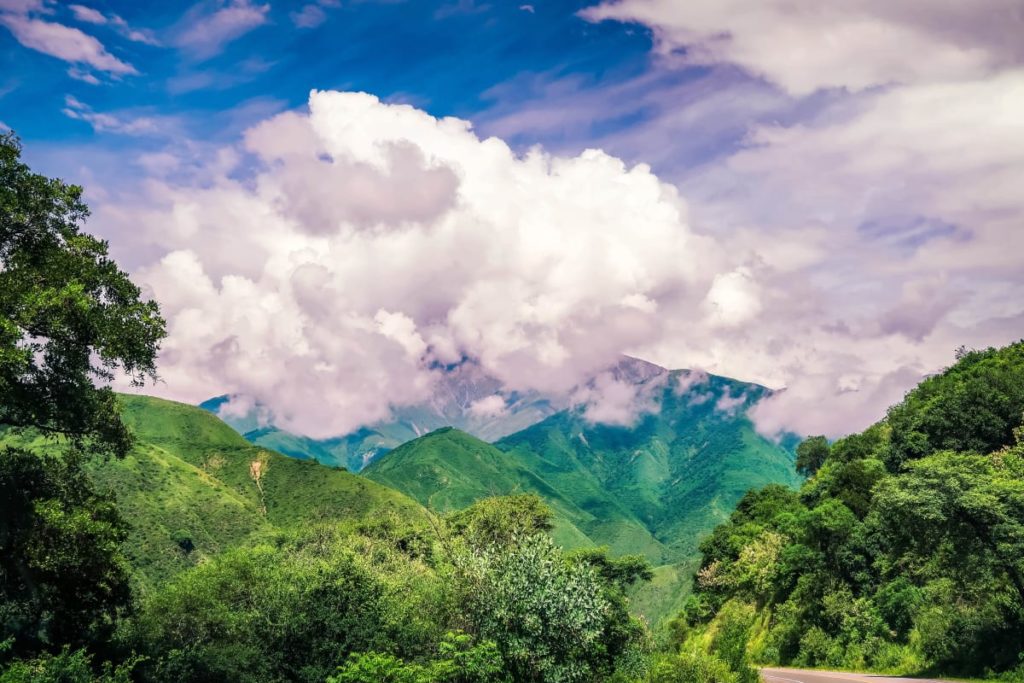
<point x="396" y="601"/>
<point x="905" y="550"/>
<point x="68" y="317"/>
<point x="651" y="489"/>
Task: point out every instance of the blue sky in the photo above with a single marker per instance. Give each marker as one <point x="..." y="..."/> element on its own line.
<point x="459" y="59"/>
<point x="823" y="197"/>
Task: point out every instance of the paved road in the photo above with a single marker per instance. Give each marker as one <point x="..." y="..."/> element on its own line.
<point x="802" y="676"/>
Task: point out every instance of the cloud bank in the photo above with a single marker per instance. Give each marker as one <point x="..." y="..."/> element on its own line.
<point x="344" y="254"/>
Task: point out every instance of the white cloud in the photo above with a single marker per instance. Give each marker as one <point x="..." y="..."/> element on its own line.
<point x="327" y="294"/>
<point x="91" y="16"/>
<point x="729" y="404"/>
<point x="110" y="123"/>
<point x="876" y="226"/>
<point x="204" y="33"/>
<point x="65" y="43"/>
<point x="310" y="16"/>
<point x="488" y="407"/>
<point x="690" y="380"/>
<point x="611" y="399"/>
<point x="87" y="14"/>
<point x="82" y="75"/>
<point x="803" y="46"/>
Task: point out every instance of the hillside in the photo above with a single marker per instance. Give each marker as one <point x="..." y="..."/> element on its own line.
<point x="192" y="487"/>
<point x="654" y="488"/>
<point x="903" y="550"/>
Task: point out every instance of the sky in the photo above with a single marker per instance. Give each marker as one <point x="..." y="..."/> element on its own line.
<point x="332" y="200"/>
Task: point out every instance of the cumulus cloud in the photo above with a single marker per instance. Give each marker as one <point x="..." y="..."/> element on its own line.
<point x="370" y="244"/>
<point x="207" y="28"/>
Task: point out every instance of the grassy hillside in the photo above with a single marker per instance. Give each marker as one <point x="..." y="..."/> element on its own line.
<point x="193" y="487"/>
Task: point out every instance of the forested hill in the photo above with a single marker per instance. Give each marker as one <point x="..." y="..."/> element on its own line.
<point x="653" y="488"/>
<point x="192" y="488"/>
<point x="904" y="550"/>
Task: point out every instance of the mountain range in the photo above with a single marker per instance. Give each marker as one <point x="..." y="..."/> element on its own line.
<point x="464" y="398"/>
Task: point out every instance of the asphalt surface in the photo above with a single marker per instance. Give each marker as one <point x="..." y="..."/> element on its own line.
<point x="804" y="676"/>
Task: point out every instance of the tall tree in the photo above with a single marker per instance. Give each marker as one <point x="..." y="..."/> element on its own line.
<point x="69" y="318"/>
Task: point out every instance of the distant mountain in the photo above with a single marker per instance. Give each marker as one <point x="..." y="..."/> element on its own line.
<point x="655" y="487"/>
<point x="466" y="398"/>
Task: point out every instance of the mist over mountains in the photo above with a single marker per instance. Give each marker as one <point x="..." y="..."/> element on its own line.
<point x="470" y="400"/>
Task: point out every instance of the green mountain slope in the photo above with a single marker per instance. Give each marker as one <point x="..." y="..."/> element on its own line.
<point x="655" y="488"/>
<point x="193" y="487"/>
<point x="448" y="470"/>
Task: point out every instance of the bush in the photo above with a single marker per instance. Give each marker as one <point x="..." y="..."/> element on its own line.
<point x="691" y="666"/>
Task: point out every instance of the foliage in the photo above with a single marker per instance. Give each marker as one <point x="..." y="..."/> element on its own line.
<point x="502" y="520"/>
<point x="459" y="660"/>
<point x="62" y="578"/>
<point x="973" y="406"/>
<point x="68" y="315"/>
<point x="811" y="455"/>
<point x="903" y="551"/>
<point x="67" y="667"/>
<point x="691" y="666"/>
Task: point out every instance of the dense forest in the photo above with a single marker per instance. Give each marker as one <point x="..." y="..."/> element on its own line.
<point x="902" y="551"/>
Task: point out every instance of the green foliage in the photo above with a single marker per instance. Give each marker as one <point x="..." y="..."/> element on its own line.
<point x="896" y="554"/>
<point x="68" y="315"/>
<point x="973" y="406"/>
<point x="68" y="318"/>
<point x="67" y="667"/>
<point x="811" y="455"/>
<point x="545" y="614"/>
<point x="288" y="611"/>
<point x="691" y="666"/>
<point x="458" y="660"/>
<point x="62" y="578"/>
<point x="501" y="521"/>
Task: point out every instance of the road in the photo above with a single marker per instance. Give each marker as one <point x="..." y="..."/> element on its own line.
<point x="804" y="676"/>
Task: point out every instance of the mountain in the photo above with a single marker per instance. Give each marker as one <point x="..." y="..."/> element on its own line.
<point x="193" y="487"/>
<point x="654" y="487"/>
<point x="465" y="398"/>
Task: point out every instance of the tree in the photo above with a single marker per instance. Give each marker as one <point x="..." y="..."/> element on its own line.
<point x="546" y="614"/>
<point x="68" y="318"/>
<point x="960" y="520"/>
<point x="501" y="520"/>
<point x="68" y="315"/>
<point x="811" y="455"/>
<point x="973" y="406"/>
